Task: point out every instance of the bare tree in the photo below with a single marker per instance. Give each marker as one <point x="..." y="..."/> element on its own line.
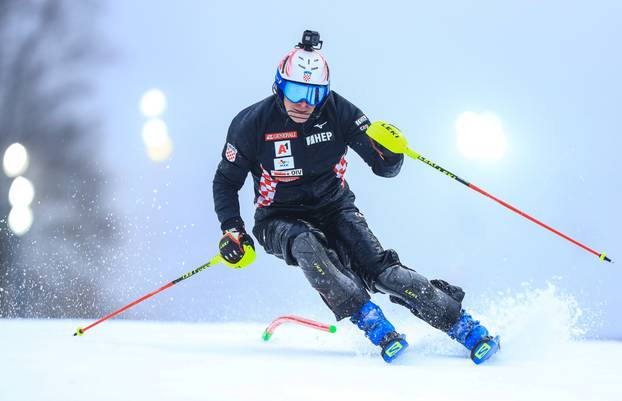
<point x="47" y="48"/>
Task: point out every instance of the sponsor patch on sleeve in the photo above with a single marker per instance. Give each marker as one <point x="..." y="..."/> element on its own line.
<point x="231" y="152"/>
<point x="362" y="122"/>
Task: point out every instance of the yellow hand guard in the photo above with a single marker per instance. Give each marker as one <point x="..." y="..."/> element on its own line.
<point x="247" y="259"/>
<point x="390" y="137"/>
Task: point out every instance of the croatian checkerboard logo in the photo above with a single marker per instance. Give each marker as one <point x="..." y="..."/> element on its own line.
<point x="231" y="152"/>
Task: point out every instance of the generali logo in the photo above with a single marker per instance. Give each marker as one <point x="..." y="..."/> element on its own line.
<point x="279" y="136"/>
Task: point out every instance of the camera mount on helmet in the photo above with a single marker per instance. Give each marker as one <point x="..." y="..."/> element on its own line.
<point x="310" y="41"/>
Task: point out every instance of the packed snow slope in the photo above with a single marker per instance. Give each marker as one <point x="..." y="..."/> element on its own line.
<point x="130" y="360"/>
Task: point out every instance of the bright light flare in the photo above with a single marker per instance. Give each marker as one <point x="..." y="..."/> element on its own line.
<point x="155" y="132"/>
<point x="162" y="151"/>
<point x="15" y="160"/>
<point x="481" y="136"/>
<point x="21" y="192"/>
<point x="153" y="103"/>
<point x="20" y="220"/>
<point x="155" y="136"/>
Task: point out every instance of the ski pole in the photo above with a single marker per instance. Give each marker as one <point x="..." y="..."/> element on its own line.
<point x="215" y="260"/>
<point x="391" y="138"/>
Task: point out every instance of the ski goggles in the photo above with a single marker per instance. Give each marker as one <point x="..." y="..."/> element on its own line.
<point x="297" y="91"/>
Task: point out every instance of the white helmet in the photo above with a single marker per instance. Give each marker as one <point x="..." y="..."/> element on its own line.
<point x="303" y="75"/>
<point x="307" y="67"/>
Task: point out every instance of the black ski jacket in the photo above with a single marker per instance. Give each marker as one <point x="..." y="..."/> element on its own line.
<point x="295" y="167"/>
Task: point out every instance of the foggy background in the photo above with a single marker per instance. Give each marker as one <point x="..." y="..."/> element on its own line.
<point x="110" y="224"/>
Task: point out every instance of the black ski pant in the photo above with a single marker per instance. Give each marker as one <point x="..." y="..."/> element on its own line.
<point x="343" y="260"/>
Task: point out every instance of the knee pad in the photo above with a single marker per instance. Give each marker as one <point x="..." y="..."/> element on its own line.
<point x="437" y="302"/>
<point x="404" y="283"/>
<point x="453" y="291"/>
<point x="304" y="227"/>
<point x="416" y="291"/>
<point x="388" y="260"/>
<point x="342" y="292"/>
<point x="304" y="237"/>
<point x="315" y="243"/>
<point x="304" y="242"/>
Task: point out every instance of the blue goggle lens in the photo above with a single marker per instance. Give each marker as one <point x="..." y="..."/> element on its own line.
<point x="297" y="92"/>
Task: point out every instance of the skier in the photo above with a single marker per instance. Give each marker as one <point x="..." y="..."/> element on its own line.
<point x="294" y="144"/>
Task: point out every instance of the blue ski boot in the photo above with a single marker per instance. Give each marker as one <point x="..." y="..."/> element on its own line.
<point x="474" y="337"/>
<point x="380" y="331"/>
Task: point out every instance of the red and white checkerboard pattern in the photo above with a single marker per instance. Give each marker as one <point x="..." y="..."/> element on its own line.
<point x="267" y="189"/>
<point x="340" y="169"/>
<point x="231" y="152"/>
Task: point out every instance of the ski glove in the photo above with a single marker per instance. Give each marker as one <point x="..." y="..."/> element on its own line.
<point x="237" y="248"/>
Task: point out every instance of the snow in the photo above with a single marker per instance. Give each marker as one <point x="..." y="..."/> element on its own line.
<point x="135" y="360"/>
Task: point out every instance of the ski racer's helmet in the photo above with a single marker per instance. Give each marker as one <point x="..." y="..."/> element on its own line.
<point x="303" y="74"/>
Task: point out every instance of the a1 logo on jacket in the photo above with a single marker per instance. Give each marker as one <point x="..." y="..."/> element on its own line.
<point x="282" y="148"/>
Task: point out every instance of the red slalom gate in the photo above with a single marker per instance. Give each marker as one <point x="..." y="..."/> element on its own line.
<point x="267" y="334"/>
